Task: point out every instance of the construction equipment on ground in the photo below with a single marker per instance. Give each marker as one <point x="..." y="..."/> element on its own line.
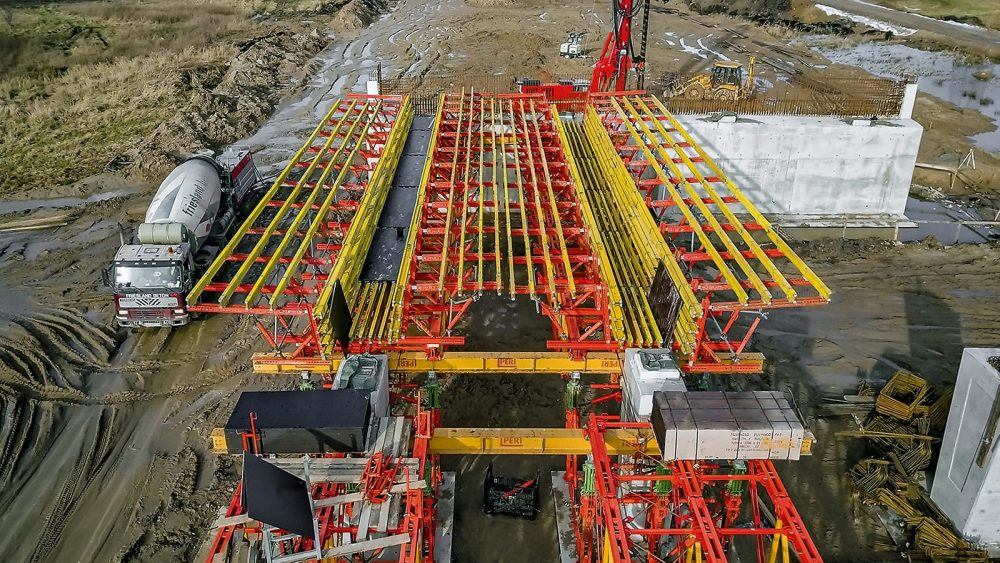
<point x="573" y="47"/>
<point x="724" y="82"/>
<point x="617" y="63"/>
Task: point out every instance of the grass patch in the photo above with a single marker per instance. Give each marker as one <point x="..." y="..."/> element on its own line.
<point x="81" y="82"/>
<point x="89" y="115"/>
<point x="978" y="12"/>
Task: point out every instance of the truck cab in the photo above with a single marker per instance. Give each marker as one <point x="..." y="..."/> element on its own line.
<point x="150" y="282"/>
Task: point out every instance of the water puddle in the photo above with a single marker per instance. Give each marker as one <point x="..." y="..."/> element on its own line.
<point x="16" y="206"/>
<point x="941" y="75"/>
<point x="947" y="221"/>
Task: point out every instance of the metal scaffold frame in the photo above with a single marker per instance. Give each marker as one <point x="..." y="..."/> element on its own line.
<point x="499" y="212"/>
<point x="343" y="504"/>
<point x="692" y="510"/>
<point x="308" y="236"/>
<point x="725" y="259"/>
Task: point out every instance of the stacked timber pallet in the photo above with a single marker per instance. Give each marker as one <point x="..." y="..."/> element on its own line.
<point x="908" y="418"/>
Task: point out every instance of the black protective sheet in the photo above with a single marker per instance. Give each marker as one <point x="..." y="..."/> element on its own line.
<point x="291" y="422"/>
<point x="386" y="251"/>
<point x="276" y="497"/>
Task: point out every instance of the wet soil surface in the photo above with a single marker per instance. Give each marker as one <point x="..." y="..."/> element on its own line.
<point x="104" y="434"/>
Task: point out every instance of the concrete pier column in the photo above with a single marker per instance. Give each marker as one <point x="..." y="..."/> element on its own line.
<point x="909" y="98"/>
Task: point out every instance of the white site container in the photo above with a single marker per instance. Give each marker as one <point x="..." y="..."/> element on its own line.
<point x="967" y="480"/>
<point x="639" y="382"/>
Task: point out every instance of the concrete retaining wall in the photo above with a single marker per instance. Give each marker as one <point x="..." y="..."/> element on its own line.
<point x="799" y="169"/>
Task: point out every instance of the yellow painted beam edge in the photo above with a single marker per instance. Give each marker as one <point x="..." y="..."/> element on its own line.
<point x="537" y="441"/>
<point x="456" y="362"/>
<point x="220" y="260"/>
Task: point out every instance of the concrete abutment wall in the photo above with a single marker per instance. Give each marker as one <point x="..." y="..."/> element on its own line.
<point x="815" y="171"/>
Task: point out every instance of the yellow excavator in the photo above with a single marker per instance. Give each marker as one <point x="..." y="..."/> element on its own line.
<point x="726" y="82"/>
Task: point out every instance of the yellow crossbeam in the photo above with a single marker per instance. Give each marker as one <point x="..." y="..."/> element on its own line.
<point x="318" y="220"/>
<point x="537" y="441"/>
<point x="262" y="205"/>
<point x="696" y="197"/>
<point x="599" y="363"/>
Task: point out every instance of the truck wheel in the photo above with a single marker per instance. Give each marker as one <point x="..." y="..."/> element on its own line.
<point x="694" y="92"/>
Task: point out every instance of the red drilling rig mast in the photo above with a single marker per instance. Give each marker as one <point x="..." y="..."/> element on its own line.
<point x="618" y="56"/>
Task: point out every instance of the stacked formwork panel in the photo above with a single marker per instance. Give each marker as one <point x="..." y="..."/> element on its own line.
<point x="499" y="212"/>
<point x="726" y="260"/>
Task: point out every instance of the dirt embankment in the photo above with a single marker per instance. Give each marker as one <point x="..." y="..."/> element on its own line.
<point x="88" y="86"/>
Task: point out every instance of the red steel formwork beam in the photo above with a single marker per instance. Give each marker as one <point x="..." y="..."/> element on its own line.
<point x="500" y="213"/>
<point x="732" y="260"/>
<point x="697" y="500"/>
<point x="287" y="256"/>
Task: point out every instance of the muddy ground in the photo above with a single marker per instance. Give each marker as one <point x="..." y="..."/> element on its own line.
<point x="104" y="434"/>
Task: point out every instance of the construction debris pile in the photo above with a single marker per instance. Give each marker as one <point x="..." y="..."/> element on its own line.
<point x="908" y="418"/>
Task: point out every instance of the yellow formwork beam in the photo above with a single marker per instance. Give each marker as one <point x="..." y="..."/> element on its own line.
<point x="317" y="222"/>
<point x="265" y="200"/>
<point x="617" y="316"/>
<point x="645" y="138"/>
<point x="443" y="268"/>
<point x="603" y="363"/>
<point x="539" y="213"/>
<point x="538" y="441"/>
<point x="287" y="206"/>
<point x="354" y="248"/>
<point x="571" y="284"/>
<point x="820" y="287"/>
<point x="696" y="197"/>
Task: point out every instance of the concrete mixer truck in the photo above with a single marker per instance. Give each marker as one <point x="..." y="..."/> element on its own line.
<point x="191" y="218"/>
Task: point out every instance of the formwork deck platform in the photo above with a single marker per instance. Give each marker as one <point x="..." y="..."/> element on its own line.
<point x="380" y="235"/>
<point x="305" y="243"/>
<point x="725" y="259"/>
<point x="499" y="212"/>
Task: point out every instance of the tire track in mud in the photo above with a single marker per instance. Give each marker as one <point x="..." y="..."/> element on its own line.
<point x="344" y="66"/>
